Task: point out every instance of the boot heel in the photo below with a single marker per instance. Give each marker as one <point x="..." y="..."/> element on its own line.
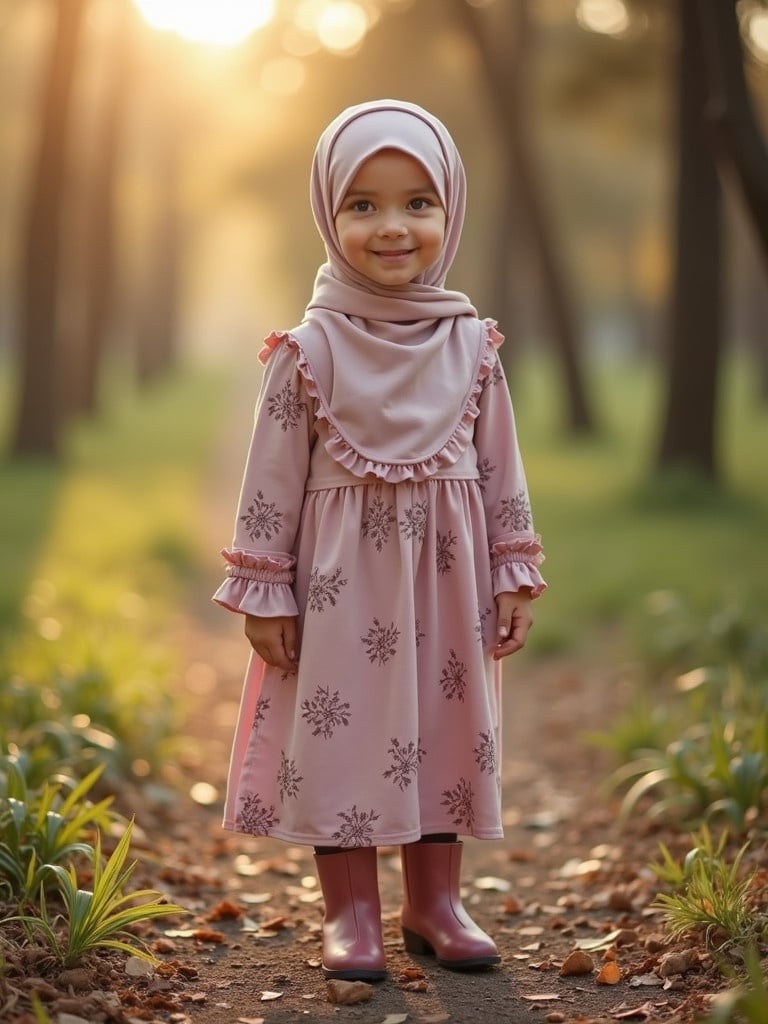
<point x="416" y="944"/>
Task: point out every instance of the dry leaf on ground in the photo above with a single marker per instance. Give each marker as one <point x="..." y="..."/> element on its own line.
<point x="577" y="962"/>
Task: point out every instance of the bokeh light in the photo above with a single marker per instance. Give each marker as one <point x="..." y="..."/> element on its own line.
<point x="610" y="17"/>
<point x="223" y="23"/>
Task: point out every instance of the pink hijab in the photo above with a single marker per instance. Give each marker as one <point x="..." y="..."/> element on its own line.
<point x="396" y="369"/>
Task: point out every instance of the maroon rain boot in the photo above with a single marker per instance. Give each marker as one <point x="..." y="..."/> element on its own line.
<point x="353" y="948"/>
<point x="433" y="917"/>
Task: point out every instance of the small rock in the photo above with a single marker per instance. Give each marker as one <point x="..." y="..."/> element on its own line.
<point x="677" y="962"/>
<point x="76" y="978"/>
<point x="346" y="993"/>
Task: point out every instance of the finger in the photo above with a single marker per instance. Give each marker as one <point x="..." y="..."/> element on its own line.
<point x="290" y="640"/>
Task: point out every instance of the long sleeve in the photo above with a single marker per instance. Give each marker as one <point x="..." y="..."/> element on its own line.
<point x="515" y="548"/>
<point x="261" y="563"/>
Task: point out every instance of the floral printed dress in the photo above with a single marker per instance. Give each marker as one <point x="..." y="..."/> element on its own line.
<point x="390" y="726"/>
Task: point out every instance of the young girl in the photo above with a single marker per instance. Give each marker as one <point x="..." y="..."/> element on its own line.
<point x="384" y="556"/>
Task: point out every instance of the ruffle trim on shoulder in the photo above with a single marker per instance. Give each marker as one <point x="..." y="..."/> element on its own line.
<point x="514" y="564"/>
<point x="358" y="463"/>
<point x="257" y="583"/>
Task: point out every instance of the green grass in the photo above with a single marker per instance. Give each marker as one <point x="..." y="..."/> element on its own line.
<point x="611" y="537"/>
<point x="102" y="548"/>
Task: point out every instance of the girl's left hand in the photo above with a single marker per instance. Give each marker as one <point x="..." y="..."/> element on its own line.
<point x="514" y="619"/>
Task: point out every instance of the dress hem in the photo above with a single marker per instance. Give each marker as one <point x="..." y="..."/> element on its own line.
<point x="396" y="839"/>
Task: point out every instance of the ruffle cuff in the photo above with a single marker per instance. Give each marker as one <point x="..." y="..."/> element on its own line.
<point x="514" y="564"/>
<point x="258" y="583"/>
<point x="358" y="463"/>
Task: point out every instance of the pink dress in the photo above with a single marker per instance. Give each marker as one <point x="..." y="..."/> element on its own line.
<point x="390" y="727"/>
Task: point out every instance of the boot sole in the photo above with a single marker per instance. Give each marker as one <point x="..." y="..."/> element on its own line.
<point x="352" y="974"/>
<point x="418" y="944"/>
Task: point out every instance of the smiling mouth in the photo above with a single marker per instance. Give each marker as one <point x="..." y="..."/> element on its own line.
<point x="393" y="253"/>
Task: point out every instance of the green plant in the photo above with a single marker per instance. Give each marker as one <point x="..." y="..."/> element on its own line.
<point x="97" y="918"/>
<point x="713" y="897"/>
<point x="747" y="1001"/>
<point x="43" y="828"/>
<point x="676" y="873"/>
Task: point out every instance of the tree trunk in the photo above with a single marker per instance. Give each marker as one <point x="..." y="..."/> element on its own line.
<point x="99" y="234"/>
<point x="688" y="434"/>
<point x="37" y="425"/>
<point x="504" y="59"/>
<point x="740" y="146"/>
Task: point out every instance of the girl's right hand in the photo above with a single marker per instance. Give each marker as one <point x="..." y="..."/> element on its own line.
<point x="274" y="639"/>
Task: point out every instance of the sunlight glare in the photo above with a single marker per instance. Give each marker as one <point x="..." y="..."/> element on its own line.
<point x="610" y="17"/>
<point x="757" y="34"/>
<point x="341" y="26"/>
<point x="217" y="22"/>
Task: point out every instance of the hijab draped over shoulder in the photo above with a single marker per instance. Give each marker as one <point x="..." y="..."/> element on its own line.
<point x="396" y="369"/>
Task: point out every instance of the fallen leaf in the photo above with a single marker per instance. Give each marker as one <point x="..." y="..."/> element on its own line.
<point x="70" y="1018"/>
<point x="556" y="1017"/>
<point x="267" y="997"/>
<point x="395" y="1018"/>
<point x="592" y="945"/>
<point x="577" y="962"/>
<point x="651" y="980"/>
<point x="610" y="974"/>
<point x="346" y="993"/>
<point x="543" y="997"/>
<point x="411" y="974"/>
<point x="275" y="924"/>
<point x="644" y="1012"/>
<point x="138" y="967"/>
<point x="226" y="910"/>
<point x="250" y="1020"/>
<point x="489" y="883"/>
<point x="512" y="905"/>
<point x="415" y="986"/>
<point x="209" y="935"/>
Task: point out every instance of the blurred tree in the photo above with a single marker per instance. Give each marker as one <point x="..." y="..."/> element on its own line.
<point x="504" y="43"/>
<point x="695" y="329"/>
<point x="99" y="228"/>
<point x="739" y="145"/>
<point x="715" y="121"/>
<point x="38" y="422"/>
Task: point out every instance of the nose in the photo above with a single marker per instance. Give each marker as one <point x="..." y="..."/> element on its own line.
<point x="391" y="226"/>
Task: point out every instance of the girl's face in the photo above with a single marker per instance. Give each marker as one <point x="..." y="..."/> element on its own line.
<point x="391" y="225"/>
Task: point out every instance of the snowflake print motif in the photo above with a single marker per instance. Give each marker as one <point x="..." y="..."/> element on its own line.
<point x="494" y="377"/>
<point x="485" y="469"/>
<point x="254" y="818"/>
<point x="378" y="522"/>
<point x="413" y="525"/>
<point x="485" y="753"/>
<point x="445" y="556"/>
<point x="459" y="802"/>
<point x="380" y="642"/>
<point x="482" y="618"/>
<point x="453" y="679"/>
<point x="418" y="632"/>
<point x="324" y="588"/>
<point x="326" y="711"/>
<point x="515" y="512"/>
<point x="356" y="828"/>
<point x="286" y="407"/>
<point x="406" y="759"/>
<point x="262" y="518"/>
<point x="260" y="711"/>
<point x="288" y="778"/>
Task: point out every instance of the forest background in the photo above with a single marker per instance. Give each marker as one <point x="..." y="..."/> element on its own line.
<point x="154" y="225"/>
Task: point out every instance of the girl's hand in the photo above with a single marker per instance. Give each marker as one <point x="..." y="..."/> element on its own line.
<point x="274" y="639"/>
<point x="513" y="621"/>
